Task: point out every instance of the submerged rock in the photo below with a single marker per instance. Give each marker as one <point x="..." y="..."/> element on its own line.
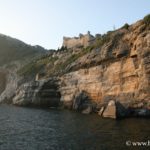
<point x="143" y="112"/>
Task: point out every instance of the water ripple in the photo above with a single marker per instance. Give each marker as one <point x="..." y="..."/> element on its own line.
<point x="37" y="129"/>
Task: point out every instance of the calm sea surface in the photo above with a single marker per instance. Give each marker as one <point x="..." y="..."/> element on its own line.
<point x="37" y="129"/>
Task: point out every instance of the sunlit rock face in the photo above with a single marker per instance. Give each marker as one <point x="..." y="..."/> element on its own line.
<point x="117" y="80"/>
<point x="118" y="70"/>
<point x="122" y="72"/>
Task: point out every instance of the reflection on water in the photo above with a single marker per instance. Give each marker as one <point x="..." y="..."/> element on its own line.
<point x="37" y="129"/>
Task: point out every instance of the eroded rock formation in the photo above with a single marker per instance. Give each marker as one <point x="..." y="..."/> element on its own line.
<point x="120" y="72"/>
<point x="115" y="67"/>
<point x="43" y="93"/>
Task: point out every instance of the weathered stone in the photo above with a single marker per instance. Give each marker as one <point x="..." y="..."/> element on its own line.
<point x="119" y="78"/>
<point x="110" y="111"/>
<point x="137" y="105"/>
<point x="42" y="93"/>
<point x="115" y="110"/>
<point x="101" y="111"/>
<point x="119" y="70"/>
<point x="122" y="52"/>
<point x="80" y="101"/>
<point x="9" y="82"/>
<point x="75" y="42"/>
<point x="88" y="110"/>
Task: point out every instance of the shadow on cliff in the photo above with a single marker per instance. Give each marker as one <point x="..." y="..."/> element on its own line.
<point x="83" y="102"/>
<point x="42" y="93"/>
<point x="2" y="81"/>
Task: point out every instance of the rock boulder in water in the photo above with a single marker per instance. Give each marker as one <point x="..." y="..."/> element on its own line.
<point x="110" y="111"/>
<point x="88" y="110"/>
<point x="115" y="110"/>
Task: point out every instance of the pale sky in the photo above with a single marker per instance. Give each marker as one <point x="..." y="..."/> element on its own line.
<point x="45" y="22"/>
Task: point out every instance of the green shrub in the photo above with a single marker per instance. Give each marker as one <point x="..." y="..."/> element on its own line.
<point x="30" y="69"/>
<point x="147" y="19"/>
<point x="105" y="39"/>
<point x="125" y="26"/>
<point x="47" y="60"/>
<point x="62" y="48"/>
<point x="34" y="67"/>
<point x="100" y="41"/>
<point x="86" y="50"/>
<point x="70" y="60"/>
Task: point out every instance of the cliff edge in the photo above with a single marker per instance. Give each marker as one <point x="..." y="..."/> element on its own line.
<point x="113" y="67"/>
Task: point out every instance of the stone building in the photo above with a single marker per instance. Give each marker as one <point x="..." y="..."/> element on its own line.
<point x="76" y="42"/>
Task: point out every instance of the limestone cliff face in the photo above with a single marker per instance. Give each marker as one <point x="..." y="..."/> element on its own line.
<point x="120" y="80"/>
<point x="122" y="72"/>
<point x="116" y="66"/>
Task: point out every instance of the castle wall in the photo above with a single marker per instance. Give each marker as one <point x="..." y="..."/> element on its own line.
<point x="83" y="40"/>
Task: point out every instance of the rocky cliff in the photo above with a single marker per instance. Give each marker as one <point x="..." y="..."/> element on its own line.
<point x="13" y="55"/>
<point x="115" y="67"/>
<point x="43" y="93"/>
<point x="119" y="70"/>
<point x="9" y="81"/>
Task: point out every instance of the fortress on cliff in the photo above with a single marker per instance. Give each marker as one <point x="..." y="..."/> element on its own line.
<point x="84" y="40"/>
